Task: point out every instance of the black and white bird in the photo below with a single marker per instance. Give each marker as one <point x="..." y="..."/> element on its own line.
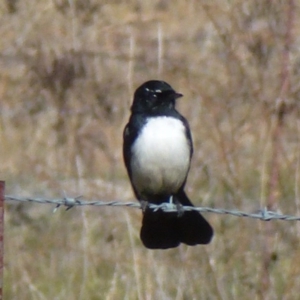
<point x="157" y="151"/>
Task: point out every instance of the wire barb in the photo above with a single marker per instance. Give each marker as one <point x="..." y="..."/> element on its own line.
<point x="69" y="202"/>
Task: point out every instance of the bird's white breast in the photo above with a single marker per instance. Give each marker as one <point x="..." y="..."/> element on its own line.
<point x="160" y="156"/>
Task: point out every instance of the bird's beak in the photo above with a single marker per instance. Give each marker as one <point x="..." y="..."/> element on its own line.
<point x="178" y="95"/>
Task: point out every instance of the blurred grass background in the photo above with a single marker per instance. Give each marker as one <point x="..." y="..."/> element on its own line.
<point x="68" y="70"/>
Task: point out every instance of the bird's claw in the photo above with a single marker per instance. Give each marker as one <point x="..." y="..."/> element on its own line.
<point x="179" y="206"/>
<point x="144" y="205"/>
<point x="180" y="210"/>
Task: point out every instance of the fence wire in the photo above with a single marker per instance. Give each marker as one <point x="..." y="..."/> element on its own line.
<point x="68" y="202"/>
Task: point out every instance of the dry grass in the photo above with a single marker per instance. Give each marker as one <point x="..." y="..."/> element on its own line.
<point x="68" y="70"/>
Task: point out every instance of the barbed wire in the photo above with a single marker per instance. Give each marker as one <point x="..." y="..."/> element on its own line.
<point x="69" y="202"/>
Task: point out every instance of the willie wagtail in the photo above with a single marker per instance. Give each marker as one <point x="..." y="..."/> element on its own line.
<point x="157" y="152"/>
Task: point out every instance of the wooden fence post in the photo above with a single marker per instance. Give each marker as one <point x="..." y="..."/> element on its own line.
<point x="2" y="198"/>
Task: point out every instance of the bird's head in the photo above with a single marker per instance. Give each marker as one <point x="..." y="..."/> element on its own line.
<point x="154" y="96"/>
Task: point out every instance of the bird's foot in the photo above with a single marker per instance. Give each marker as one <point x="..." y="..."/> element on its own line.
<point x="144" y="205"/>
<point x="180" y="210"/>
<point x="179" y="206"/>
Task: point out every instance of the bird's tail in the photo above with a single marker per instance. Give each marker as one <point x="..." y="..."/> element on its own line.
<point x="163" y="230"/>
